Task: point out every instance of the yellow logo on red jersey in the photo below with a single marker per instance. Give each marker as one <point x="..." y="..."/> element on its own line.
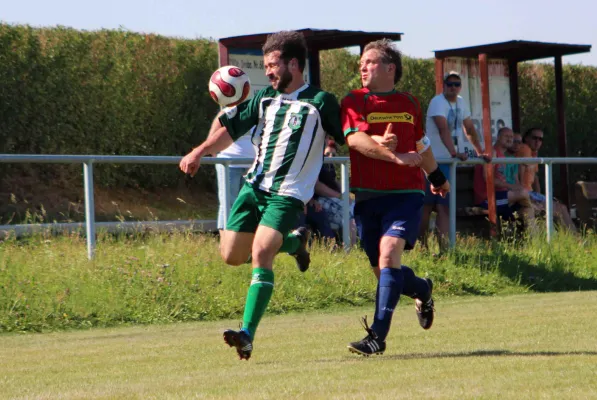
<point x="381" y="117"/>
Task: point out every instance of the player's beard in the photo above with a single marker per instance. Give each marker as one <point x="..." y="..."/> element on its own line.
<point x="284" y="81"/>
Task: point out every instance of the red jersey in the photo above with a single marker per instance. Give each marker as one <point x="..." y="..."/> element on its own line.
<point x="369" y="112"/>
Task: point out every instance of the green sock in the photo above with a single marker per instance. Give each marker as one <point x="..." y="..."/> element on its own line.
<point x="260" y="292"/>
<point x="290" y="244"/>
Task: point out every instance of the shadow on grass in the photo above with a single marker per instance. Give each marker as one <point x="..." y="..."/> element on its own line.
<point x="557" y="276"/>
<point x="490" y="353"/>
<point x="465" y="354"/>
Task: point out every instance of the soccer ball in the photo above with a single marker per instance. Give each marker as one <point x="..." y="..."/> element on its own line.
<point x="229" y="86"/>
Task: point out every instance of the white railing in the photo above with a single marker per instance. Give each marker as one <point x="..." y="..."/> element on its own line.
<point x="89" y="160"/>
<point x="548" y="162"/>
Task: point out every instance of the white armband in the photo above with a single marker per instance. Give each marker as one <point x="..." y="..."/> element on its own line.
<point x="423" y="144"/>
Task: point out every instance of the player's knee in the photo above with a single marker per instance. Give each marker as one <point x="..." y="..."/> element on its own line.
<point x="386" y="260"/>
<point x="390" y="253"/>
<point x="230" y="257"/>
<point x="263" y="255"/>
<point x="263" y="258"/>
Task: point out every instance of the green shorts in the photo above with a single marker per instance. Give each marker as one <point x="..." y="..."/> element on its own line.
<point x="254" y="207"/>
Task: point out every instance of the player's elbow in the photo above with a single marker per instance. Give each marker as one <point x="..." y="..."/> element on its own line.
<point x="352" y="141"/>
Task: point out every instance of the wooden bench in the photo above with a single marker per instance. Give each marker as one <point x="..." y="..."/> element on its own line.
<point x="469" y="219"/>
<point x="586" y="203"/>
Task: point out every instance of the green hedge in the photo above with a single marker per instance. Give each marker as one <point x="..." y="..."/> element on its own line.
<point x="108" y="92"/>
<point x="538" y="108"/>
<point x="65" y="91"/>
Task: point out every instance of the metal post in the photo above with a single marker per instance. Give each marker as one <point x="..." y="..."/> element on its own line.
<point x="227" y="197"/>
<point x="89" y="208"/>
<point x="345" y="206"/>
<point x="548" y="200"/>
<point x="453" y="203"/>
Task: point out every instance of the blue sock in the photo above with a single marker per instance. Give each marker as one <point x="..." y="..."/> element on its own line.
<point x="414" y="287"/>
<point x="389" y="289"/>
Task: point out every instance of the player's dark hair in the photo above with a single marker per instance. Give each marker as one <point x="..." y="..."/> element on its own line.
<point x="291" y="44"/>
<point x="389" y="55"/>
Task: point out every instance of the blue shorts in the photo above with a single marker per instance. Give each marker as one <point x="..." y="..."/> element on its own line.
<point x="396" y="214"/>
<point x="503" y="209"/>
<point x="433" y="199"/>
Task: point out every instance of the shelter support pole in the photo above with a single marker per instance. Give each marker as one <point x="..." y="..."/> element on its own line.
<point x="222" y="55"/>
<point x="488" y="141"/>
<point x="439" y="75"/>
<point x="562" y="140"/>
<point x="314" y="67"/>
<point x="514" y="97"/>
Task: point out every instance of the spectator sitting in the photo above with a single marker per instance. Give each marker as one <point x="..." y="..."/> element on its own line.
<point x="329" y="196"/>
<point x="316" y="219"/>
<point x="512" y="171"/>
<point x="533" y="139"/>
<point x="448" y="120"/>
<point x="508" y="197"/>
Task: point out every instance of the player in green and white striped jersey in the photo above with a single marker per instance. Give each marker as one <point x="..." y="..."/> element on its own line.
<point x="290" y="137"/>
<point x="292" y="119"/>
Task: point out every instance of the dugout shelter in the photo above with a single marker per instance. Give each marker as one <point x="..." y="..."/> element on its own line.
<point x="490" y="81"/>
<point x="245" y="51"/>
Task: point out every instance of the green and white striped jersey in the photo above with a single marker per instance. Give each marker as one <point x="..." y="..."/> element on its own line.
<point x="289" y="136"/>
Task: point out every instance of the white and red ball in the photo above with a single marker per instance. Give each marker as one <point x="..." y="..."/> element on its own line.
<point x="229" y="86"/>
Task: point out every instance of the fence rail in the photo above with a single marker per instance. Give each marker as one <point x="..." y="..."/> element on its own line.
<point x="547" y="161"/>
<point x="89" y="160"/>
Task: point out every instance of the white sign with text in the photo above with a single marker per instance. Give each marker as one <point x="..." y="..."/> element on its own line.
<point x="251" y="61"/>
<point x="499" y="95"/>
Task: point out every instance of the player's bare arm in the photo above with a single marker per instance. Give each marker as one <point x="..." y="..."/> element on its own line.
<point x="388" y="140"/>
<point x="428" y="163"/>
<point x="439" y="184"/>
<point x="215" y="125"/>
<point x="216" y="142"/>
<point x="364" y="144"/>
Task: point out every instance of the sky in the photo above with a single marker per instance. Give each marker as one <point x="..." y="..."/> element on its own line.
<point x="427" y="25"/>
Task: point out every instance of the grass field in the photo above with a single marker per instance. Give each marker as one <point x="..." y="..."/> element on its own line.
<point x="527" y="346"/>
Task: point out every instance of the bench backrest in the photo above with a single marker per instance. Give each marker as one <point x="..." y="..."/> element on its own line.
<point x="465" y="196"/>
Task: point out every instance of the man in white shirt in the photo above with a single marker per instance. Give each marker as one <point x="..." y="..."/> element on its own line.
<point x="448" y="118"/>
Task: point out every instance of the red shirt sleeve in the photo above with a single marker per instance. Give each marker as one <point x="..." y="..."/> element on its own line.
<point x="351" y="116"/>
